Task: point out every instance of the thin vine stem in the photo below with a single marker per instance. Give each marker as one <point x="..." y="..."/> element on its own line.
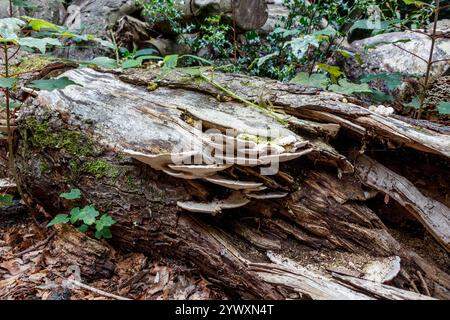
<point x="10" y="137"/>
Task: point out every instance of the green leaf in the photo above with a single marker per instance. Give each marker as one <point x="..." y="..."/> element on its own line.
<point x="347" y="54"/>
<point x="416" y="3"/>
<point x="334" y="71"/>
<point x="131" y="63"/>
<point x="145" y="52"/>
<point x="9" y="27"/>
<point x="88" y="215"/>
<point x="317" y="80"/>
<point x="75" y="215"/>
<point x="103" y="233"/>
<point x="106" y="43"/>
<point x="192" y="71"/>
<point x="392" y="80"/>
<point x="142" y="58"/>
<point x="171" y="62"/>
<point x="38" y="24"/>
<point x="104" y="62"/>
<point x="7" y="83"/>
<point x="83" y="228"/>
<point x="380" y="96"/>
<point x="104" y="221"/>
<point x="444" y="107"/>
<point x="59" y="219"/>
<point x="23" y="4"/>
<point x="347" y="88"/>
<point x="369" y="25"/>
<point x="301" y="45"/>
<point x="328" y="31"/>
<point x="52" y="84"/>
<point x="6" y="200"/>
<point x="40" y="44"/>
<point x="415" y="103"/>
<point x="266" y="58"/>
<point x="197" y="58"/>
<point x="72" y="195"/>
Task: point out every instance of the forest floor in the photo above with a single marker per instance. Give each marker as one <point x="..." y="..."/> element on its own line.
<point x="31" y="268"/>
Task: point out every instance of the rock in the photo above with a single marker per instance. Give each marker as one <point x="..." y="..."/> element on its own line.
<point x="443" y="27"/>
<point x="388" y="57"/>
<point x="95" y="17"/>
<point x="50" y="10"/>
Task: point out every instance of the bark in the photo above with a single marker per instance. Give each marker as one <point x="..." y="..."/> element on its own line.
<point x="247" y="14"/>
<point x="112" y="138"/>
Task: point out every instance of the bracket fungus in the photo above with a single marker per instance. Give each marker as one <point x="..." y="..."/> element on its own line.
<point x="234" y="201"/>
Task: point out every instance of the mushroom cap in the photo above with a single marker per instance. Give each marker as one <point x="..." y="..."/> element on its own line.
<point x="200" y="170"/>
<point x="234" y="184"/>
<point x="223" y="142"/>
<point x="160" y="161"/>
<point x="267" y="196"/>
<point x="236" y="200"/>
<point x="248" y="162"/>
<point x="284" y="157"/>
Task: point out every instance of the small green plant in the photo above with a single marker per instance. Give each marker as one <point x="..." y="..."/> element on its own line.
<point x="169" y="11"/>
<point x="85" y="218"/>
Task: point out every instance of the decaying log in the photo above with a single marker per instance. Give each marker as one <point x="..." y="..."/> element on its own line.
<point x="127" y="149"/>
<point x="74" y="248"/>
<point x="432" y="214"/>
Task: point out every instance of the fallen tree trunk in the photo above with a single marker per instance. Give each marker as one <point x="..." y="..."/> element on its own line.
<point x="127" y="147"/>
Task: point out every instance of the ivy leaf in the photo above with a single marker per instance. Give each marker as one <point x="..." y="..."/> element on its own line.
<point x="40" y="44"/>
<point x="75" y="215"/>
<point x="88" y="215"/>
<point x="104" y="221"/>
<point x="104" y="62"/>
<point x="6" y="200"/>
<point x="7" y="83"/>
<point x="317" y="80"/>
<point x="103" y="233"/>
<point x="52" y="84"/>
<point x="72" y="195"/>
<point x="59" y="219"/>
<point x="83" y="228"/>
<point x="444" y="107"/>
<point x="348" y="88"/>
<point x="131" y="63"/>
